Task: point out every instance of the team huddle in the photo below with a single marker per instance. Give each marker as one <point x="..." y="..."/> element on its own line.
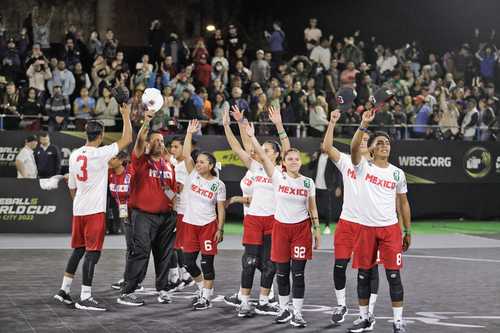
<point x="172" y="204"/>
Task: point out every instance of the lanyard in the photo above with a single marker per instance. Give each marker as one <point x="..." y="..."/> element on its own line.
<point x="161" y="171"/>
<point x="126" y="181"/>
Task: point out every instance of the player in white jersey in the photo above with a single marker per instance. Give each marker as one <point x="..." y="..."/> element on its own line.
<point x="292" y="238"/>
<point x="348" y="225"/>
<point x="204" y="217"/>
<point x="259" y="220"/>
<point x="379" y="184"/>
<point x="177" y="159"/>
<point x="246" y="186"/>
<point x="88" y="183"/>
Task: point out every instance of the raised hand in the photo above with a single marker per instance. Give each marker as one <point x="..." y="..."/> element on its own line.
<point x="236" y="113"/>
<point x="148" y="115"/>
<point x="194" y="126"/>
<point x="334" y="116"/>
<point x="368" y="116"/>
<point x="275" y="115"/>
<point x="250" y="130"/>
<point x="125" y="110"/>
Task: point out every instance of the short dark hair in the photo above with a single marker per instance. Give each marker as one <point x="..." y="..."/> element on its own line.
<point x="93" y="129"/>
<point x="43" y="134"/>
<point x="376" y="134"/>
<point x="30" y="138"/>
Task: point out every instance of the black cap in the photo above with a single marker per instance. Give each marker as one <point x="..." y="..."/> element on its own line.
<point x="381" y="96"/>
<point x="121" y="95"/>
<point x="345" y="97"/>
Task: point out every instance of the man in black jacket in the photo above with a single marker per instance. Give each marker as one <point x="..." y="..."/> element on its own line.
<point x="328" y="181"/>
<point x="47" y="157"/>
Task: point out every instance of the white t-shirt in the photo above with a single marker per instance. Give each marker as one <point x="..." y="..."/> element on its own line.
<point x="180" y="176"/>
<point x="246" y="185"/>
<point x="28" y="160"/>
<point x="322" y="55"/>
<point x="378" y="188"/>
<point x="202" y="195"/>
<point x="350" y="211"/>
<point x="88" y="174"/>
<point x="292" y="197"/>
<point x="263" y="199"/>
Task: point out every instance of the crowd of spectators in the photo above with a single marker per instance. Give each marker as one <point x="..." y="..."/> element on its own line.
<point x="437" y="96"/>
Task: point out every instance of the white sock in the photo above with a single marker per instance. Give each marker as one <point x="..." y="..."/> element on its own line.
<point x="284" y="301"/>
<point x="86" y="292"/>
<point x="340" y="294"/>
<point x="297" y="304"/>
<point x="206" y="293"/>
<point x="173" y="274"/>
<point x="397" y="313"/>
<point x="263" y="299"/>
<point x="271" y="292"/>
<point x="184" y="273"/>
<point x="371" y="305"/>
<point x="363" y="311"/>
<point x="245" y="299"/>
<point x="239" y="294"/>
<point x="200" y="285"/>
<point x="66" y="284"/>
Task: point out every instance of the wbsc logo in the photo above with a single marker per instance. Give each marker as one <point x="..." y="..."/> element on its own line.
<point x="477" y="162"/>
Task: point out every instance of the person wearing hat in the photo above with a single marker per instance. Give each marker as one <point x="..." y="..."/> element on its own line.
<point x="422" y="112"/>
<point x="25" y="160"/>
<point x="57" y="108"/>
<point x="11" y="61"/>
<point x="260" y="69"/>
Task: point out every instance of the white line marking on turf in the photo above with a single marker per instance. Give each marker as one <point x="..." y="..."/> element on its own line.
<point x="434" y="257"/>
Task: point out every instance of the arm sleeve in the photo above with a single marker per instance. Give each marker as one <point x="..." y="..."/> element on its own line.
<point x="221" y="192"/>
<point x="108" y="152"/>
<point x="401" y="186"/>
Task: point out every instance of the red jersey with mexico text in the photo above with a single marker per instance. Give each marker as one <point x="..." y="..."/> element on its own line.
<point x="119" y="184"/>
<point x="88" y="174"/>
<point x="202" y="195"/>
<point x="150" y="182"/>
<point x="263" y="201"/>
<point x="378" y="189"/>
<point x="292" y="197"/>
<point x="350" y="206"/>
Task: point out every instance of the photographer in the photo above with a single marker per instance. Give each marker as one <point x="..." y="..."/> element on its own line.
<point x="38" y="74"/>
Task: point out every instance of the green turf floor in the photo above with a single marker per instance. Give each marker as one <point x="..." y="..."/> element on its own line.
<point x="421" y="227"/>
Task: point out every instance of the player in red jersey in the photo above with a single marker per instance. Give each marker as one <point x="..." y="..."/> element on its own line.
<point x="203" y="219"/>
<point x="292" y="238"/>
<point x="380" y="183"/>
<point x="88" y="182"/>
<point x="259" y="218"/>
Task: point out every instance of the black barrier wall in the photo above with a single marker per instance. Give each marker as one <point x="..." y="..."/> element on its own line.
<point x="446" y="179"/>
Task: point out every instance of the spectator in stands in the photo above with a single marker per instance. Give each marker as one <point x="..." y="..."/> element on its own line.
<point x="187" y="109"/>
<point x="62" y="77"/>
<point x="70" y="54"/>
<point x="233" y="43"/>
<point x="200" y="51"/>
<point x="11" y="63"/>
<point x="386" y="63"/>
<point x="58" y="109"/>
<point x="260" y="69"/>
<point x="30" y="108"/>
<point x="470" y="120"/>
<point x="487" y="120"/>
<point x="41" y="27"/>
<point x="312" y="34"/>
<point x="318" y="119"/>
<point x="450" y="115"/>
<point x="242" y="73"/>
<point x="83" y="109"/>
<point x="351" y="53"/>
<point x="219" y="108"/>
<point x="176" y="49"/>
<point x="488" y="60"/>
<point x="38" y="74"/>
<point x="82" y="80"/>
<point x="47" y="157"/>
<point x="10" y="106"/>
<point x="276" y="41"/>
<point x="110" y="45"/>
<point x="95" y="46"/>
<point x="422" y="112"/>
<point x="237" y="100"/>
<point x="436" y="69"/>
<point x="350" y="117"/>
<point x="137" y="108"/>
<point x="383" y="119"/>
<point x="219" y="58"/>
<point x="322" y="54"/>
<point x="35" y="54"/>
<point x="203" y="72"/>
<point x="156" y="37"/>
<point x="168" y="66"/>
<point x="25" y="160"/>
<point x="399" y="119"/>
<point x="106" y="108"/>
